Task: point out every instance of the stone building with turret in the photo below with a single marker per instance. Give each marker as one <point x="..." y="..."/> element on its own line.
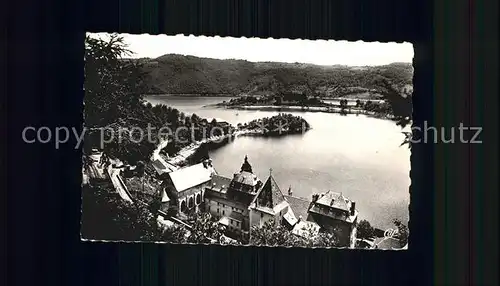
<point x="269" y="204"/>
<point x="335" y="213"/>
<point x="230" y="198"/>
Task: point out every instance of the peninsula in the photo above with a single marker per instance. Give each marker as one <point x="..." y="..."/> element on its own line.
<point x="301" y="102"/>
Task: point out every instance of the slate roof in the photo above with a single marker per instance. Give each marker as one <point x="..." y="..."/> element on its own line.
<point x="334" y="200"/>
<point x="246" y="178"/>
<point x="246" y="166"/>
<point x="300" y="206"/>
<point x="219" y="184"/>
<point x="244" y="199"/>
<point x="191" y="176"/>
<point x="159" y="167"/>
<point x="236" y="216"/>
<point x="269" y="195"/>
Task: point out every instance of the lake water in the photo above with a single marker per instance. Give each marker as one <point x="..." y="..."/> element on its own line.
<point x="355" y="155"/>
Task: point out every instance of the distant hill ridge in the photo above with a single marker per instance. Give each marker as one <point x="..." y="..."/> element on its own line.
<point x="179" y="74"/>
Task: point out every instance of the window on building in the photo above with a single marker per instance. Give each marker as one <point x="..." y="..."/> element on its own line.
<point x="230" y="221"/>
<point x="237" y="224"/>
<point x="217" y="210"/>
<point x="223" y="213"/>
<point x="261" y="215"/>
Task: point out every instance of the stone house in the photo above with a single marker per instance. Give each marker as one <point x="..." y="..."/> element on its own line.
<point x="335" y="213"/>
<point x="230" y="199"/>
<point x="186" y="187"/>
<point x="268" y="204"/>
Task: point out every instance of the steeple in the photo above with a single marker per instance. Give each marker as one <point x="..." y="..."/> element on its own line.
<point x="246" y="167"/>
<point x="270" y="194"/>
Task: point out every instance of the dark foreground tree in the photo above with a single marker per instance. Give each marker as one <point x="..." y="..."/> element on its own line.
<point x="401" y="104"/>
<point x="113" y="103"/>
<point x="402" y="233"/>
<point x="106" y="216"/>
<point x="364" y="230"/>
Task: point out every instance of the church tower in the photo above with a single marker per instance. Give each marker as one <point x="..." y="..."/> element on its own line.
<point x="246" y="167"/>
<point x="269" y="204"/>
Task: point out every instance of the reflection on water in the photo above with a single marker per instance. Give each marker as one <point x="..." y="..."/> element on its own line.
<point x="356" y="155"/>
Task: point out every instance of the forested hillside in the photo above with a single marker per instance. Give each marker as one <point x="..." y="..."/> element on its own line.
<point x="177" y="74"/>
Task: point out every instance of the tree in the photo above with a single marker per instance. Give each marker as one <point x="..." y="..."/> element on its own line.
<point x="364" y="230"/>
<point x="113" y="99"/>
<point x="112" y="84"/>
<point x="271" y="234"/>
<point x="206" y="229"/>
<point x="278" y="100"/>
<point x="343" y="106"/>
<point x="402" y="233"/>
<point x="175" y="234"/>
<point x="106" y="216"/>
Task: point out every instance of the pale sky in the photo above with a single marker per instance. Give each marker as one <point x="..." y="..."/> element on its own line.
<point x="319" y="52"/>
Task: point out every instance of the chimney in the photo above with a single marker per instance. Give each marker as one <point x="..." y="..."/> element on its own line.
<point x="353" y="207"/>
<point x="290" y="193"/>
<point x="300" y="218"/>
<point x="315" y="198"/>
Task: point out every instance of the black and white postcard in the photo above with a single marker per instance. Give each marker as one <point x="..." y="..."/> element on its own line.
<point x="246" y="141"/>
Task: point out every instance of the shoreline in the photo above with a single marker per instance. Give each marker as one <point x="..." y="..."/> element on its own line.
<point x="189" y="95"/>
<point x="183" y="155"/>
<point x="323" y="109"/>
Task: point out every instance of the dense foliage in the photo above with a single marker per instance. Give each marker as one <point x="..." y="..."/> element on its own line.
<point x="364" y="230"/>
<point x="106" y="216"/>
<point x="204" y="229"/>
<point x="113" y="104"/>
<point x="114" y="108"/>
<point x="283" y="123"/>
<point x="300" y="99"/>
<point x="403" y="232"/>
<point x="283" y="82"/>
<point x="271" y="235"/>
<point x="177" y="74"/>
